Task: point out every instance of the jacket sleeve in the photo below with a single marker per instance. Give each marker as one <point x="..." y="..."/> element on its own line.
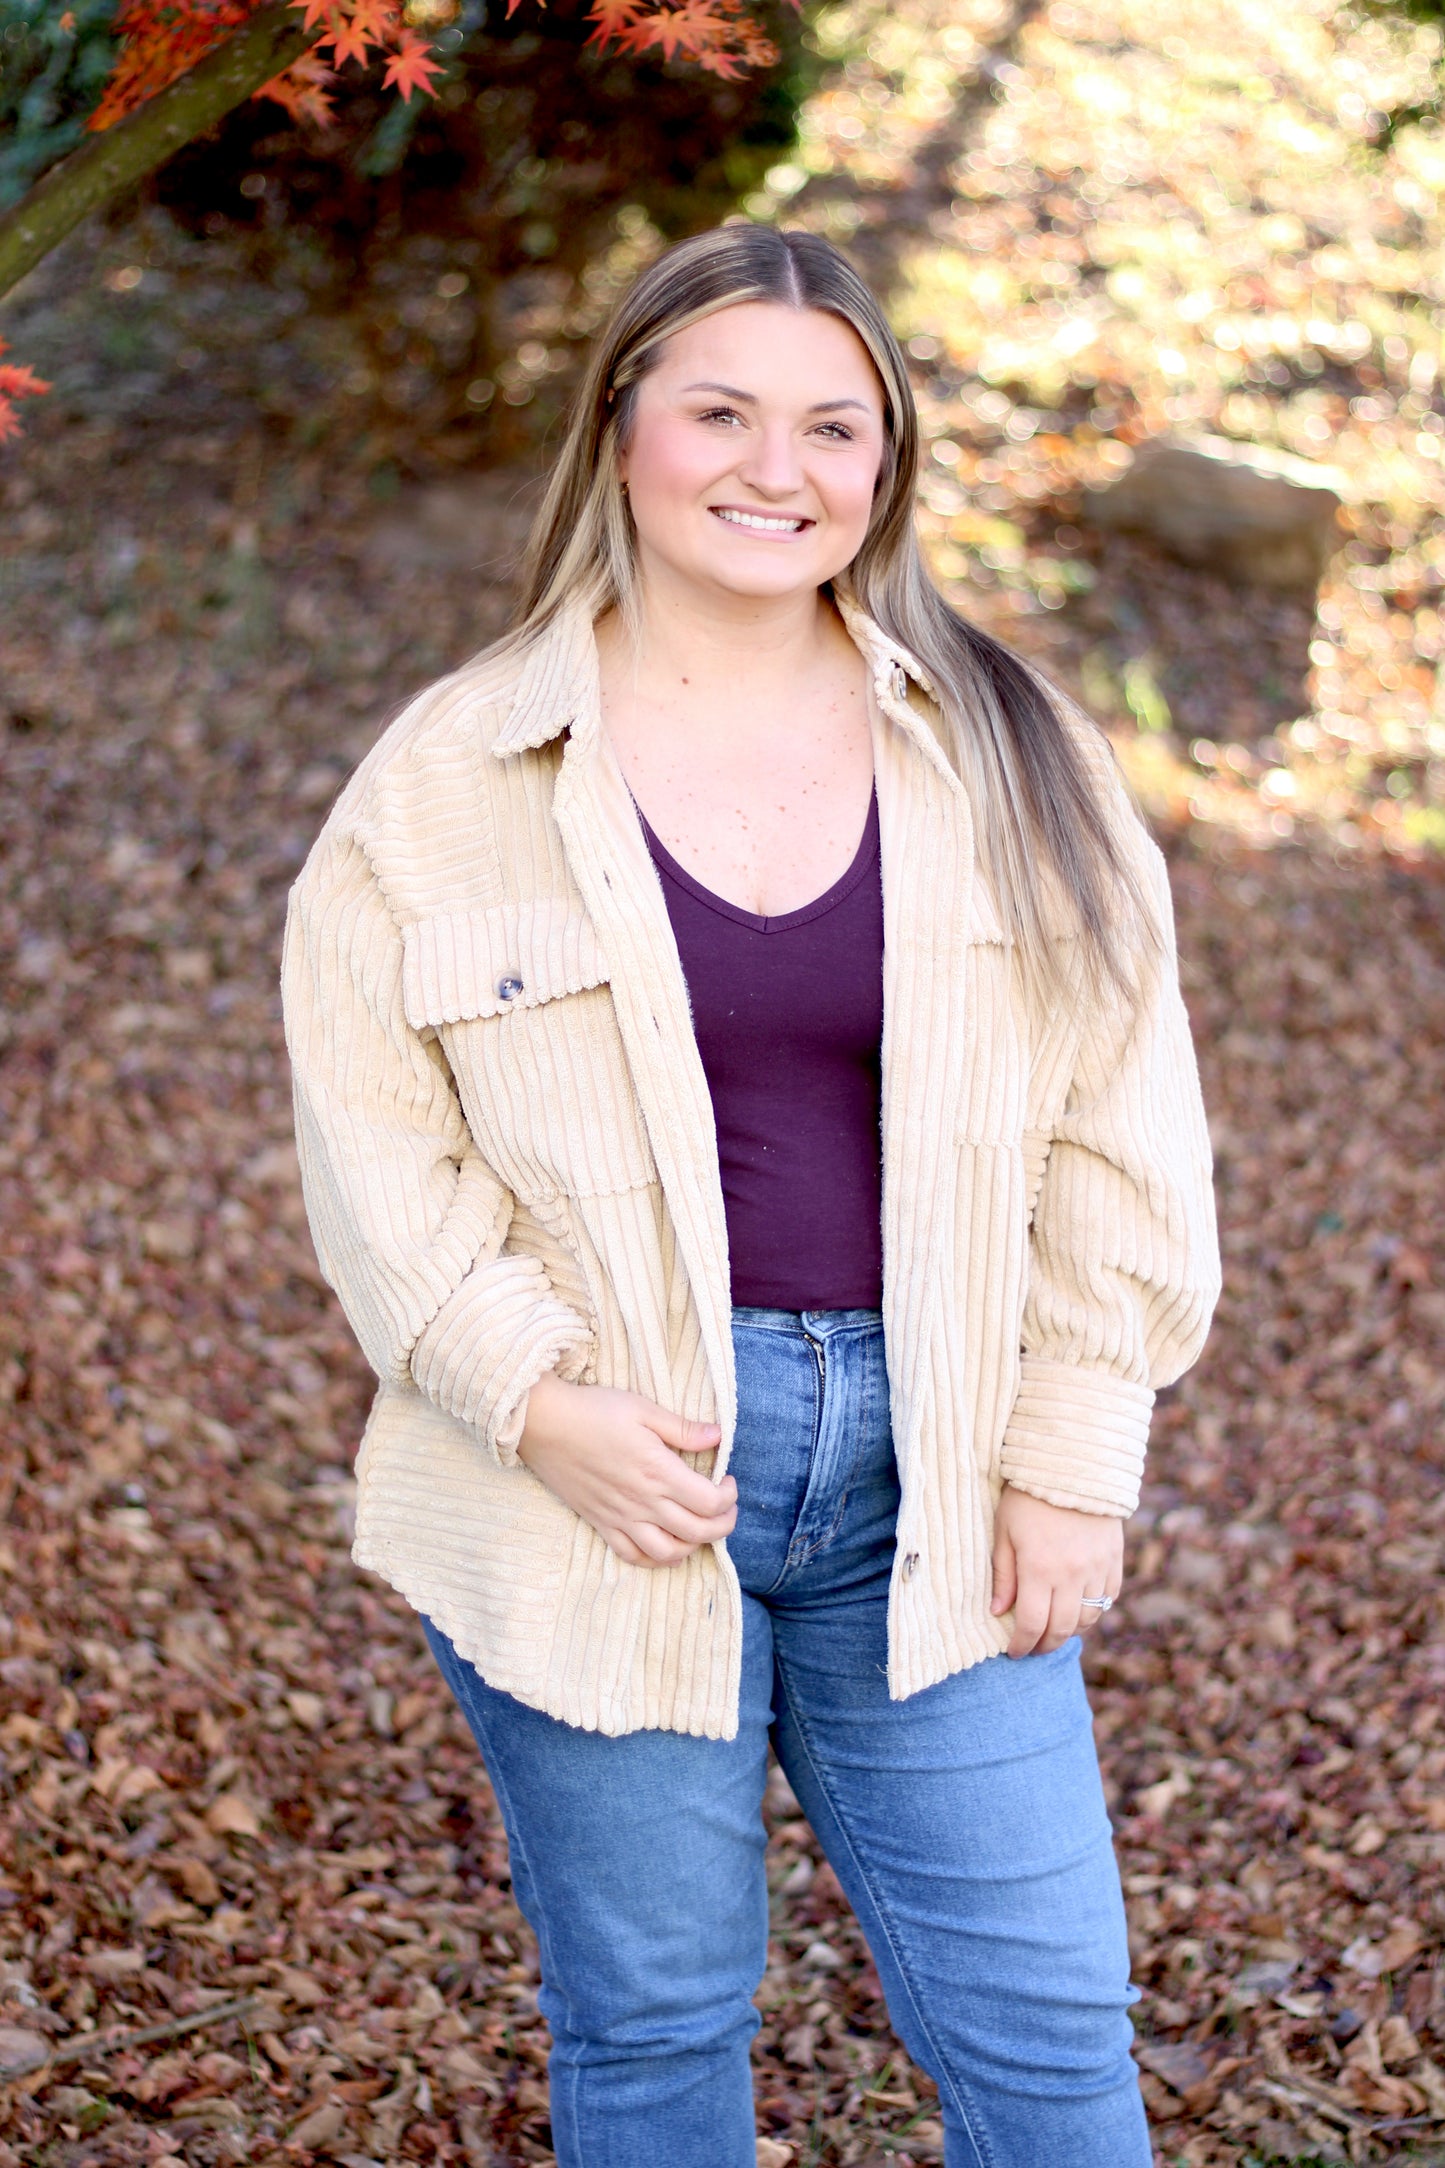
<point x="409" y="1221"/>
<point x="1124" y="1257"/>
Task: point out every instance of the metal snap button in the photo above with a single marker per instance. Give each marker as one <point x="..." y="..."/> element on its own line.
<point x="909" y="1564"/>
<point x="900" y="682"/>
<point x="509" y="986"/>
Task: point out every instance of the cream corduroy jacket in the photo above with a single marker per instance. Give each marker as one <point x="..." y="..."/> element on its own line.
<point x="510" y="1165"/>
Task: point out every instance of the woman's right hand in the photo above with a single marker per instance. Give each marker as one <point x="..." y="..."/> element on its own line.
<point x="613" y="1457"/>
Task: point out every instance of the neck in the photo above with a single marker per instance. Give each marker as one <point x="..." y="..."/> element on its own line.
<point x="747" y="642"/>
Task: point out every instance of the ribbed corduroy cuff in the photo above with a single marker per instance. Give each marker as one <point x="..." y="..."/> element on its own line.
<point x="487" y="1346"/>
<point x="569" y="1358"/>
<point x="1077" y="1437"/>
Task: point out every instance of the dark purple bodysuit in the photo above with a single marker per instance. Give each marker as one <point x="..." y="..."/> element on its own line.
<point x="788" y="1013"/>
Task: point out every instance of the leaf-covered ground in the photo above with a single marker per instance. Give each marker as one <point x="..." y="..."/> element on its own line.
<point x="230" y="1770"/>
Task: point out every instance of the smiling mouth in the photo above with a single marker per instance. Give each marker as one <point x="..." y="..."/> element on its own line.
<point x="760" y="522"/>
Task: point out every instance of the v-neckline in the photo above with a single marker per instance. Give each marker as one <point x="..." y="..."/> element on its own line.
<point x="861" y="864"/>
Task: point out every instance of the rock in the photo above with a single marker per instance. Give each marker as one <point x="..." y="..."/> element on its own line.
<point x="1247" y="510"/>
<point x="21" y="2052"/>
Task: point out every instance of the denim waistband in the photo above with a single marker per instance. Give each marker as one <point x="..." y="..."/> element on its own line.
<point x="809" y="1324"/>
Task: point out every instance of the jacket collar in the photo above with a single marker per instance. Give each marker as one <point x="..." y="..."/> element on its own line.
<point x="557" y="685"/>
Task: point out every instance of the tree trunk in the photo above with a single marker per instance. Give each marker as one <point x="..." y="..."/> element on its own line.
<point x="121" y="155"/>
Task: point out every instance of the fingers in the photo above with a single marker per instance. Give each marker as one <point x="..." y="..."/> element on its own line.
<point x="1020" y="1588"/>
<point x="687" y="1489"/>
<point x="659" y="1531"/>
<point x="1031" y="1620"/>
<point x="692" y="1492"/>
<point x="645" y="1544"/>
<point x="675" y="1509"/>
<point x="1045" y="1617"/>
<point x="1048" y="1559"/>
<point x="695" y="1528"/>
<point x="1090" y="1614"/>
<point x="679" y="1431"/>
<point x="616" y="1459"/>
<point x="622" y="1546"/>
<point x="1047" y="1612"/>
<point x="1066" y="1616"/>
<point x="1005" y="1572"/>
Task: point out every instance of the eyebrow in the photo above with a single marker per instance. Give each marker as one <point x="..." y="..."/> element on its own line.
<point x="750" y="398"/>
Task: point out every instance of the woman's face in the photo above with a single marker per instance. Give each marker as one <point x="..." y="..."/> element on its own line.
<point x="756" y="443"/>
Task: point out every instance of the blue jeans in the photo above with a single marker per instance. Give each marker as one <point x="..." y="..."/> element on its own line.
<point x="966" y="1824"/>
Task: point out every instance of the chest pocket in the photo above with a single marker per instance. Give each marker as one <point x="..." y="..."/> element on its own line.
<point x="519" y="998"/>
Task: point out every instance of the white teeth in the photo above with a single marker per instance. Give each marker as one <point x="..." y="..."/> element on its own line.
<point x="769" y="526"/>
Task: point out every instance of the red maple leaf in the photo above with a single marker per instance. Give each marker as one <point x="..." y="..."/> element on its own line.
<point x="613" y="18"/>
<point x="159" y="42"/>
<point x="351" y="40"/>
<point x="160" y="39"/>
<point x="17" y="381"/>
<point x="379" y="20"/>
<point x="301" y="90"/>
<point x="715" y="34"/>
<point x="316" y="11"/>
<point x="350" y="32"/>
<point x="411" y="66"/>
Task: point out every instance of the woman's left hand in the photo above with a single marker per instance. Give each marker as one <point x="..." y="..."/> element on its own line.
<point x="1045" y="1559"/>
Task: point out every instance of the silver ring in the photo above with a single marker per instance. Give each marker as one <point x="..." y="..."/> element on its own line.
<point x="1097" y="1603"/>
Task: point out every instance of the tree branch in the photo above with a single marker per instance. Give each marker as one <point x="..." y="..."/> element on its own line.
<point x="90" y="2045"/>
<point x="123" y="154"/>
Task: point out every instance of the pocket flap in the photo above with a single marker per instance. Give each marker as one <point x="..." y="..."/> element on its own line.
<point x="466" y="964"/>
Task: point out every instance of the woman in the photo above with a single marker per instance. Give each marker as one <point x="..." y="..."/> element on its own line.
<point x="747" y="1112"/>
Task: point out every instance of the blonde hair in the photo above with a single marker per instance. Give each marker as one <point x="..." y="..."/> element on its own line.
<point x="1041" y="803"/>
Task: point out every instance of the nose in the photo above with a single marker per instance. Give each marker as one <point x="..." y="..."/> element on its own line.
<point x="773" y="466"/>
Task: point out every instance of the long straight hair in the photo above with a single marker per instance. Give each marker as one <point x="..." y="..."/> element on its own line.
<point x="1041" y="804"/>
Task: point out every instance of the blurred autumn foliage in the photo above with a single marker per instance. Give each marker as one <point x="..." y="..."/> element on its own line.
<point x="17" y="381"/>
<point x="160" y="39"/>
<point x="169" y="71"/>
<point x="300" y="406"/>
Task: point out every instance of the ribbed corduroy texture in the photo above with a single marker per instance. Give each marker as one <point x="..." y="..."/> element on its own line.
<point x="509" y="1163"/>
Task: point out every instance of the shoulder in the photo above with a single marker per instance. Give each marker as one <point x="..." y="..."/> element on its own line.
<point x="420" y="812"/>
<point x="452" y="723"/>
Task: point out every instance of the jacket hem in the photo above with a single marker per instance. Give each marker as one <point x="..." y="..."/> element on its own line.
<point x="611" y="1714"/>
